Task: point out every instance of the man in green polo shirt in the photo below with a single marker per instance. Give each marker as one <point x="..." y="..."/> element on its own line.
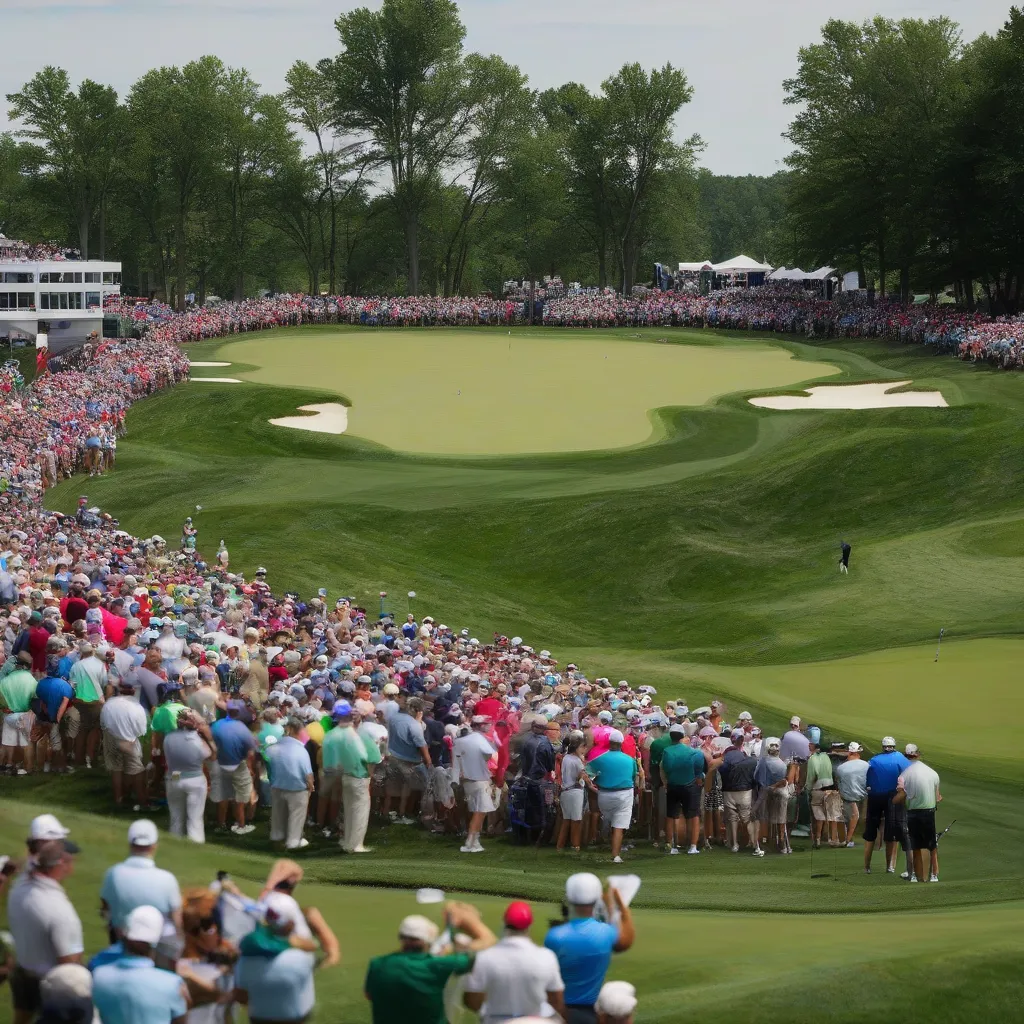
<point x="16" y="692"/>
<point x="409" y="985"/>
<point x="346" y="759"/>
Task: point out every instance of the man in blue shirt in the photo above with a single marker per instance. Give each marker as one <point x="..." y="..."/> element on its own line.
<point x="584" y="946"/>
<point x="132" y="989"/>
<point x="615" y="775"/>
<point x="54" y="696"/>
<point x="884" y="770"/>
<point x="137" y="881"/>
<point x="236" y="759"/>
<point x="291" y="782"/>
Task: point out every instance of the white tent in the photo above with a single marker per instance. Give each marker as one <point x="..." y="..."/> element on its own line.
<point x="695" y="268"/>
<point x="821" y="274"/>
<point x="742" y="265"/>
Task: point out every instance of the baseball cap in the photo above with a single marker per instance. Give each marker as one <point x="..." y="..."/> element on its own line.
<point x="617" y="1000"/>
<point x="746" y="716"/>
<point x="911" y="748"/>
<point x="888" y="741"/>
<point x="616" y="737"/>
<point x="391" y="690"/>
<point x="46" y="826"/>
<point x="604" y="716"/>
<point x="144" y="924"/>
<point x="737" y="734"/>
<point x="795" y="720"/>
<point x="518" y="915"/>
<point x="676" y="730"/>
<point x="854" y="747"/>
<point x="418" y="927"/>
<point x="142" y="833"/>
<point x="582" y="889"/>
<point x="341" y="709"/>
<point x="235" y="705"/>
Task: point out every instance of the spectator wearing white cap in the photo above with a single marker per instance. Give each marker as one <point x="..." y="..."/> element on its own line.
<point x="123" y="723"/>
<point x="471" y="755"/>
<point x="354" y="756"/>
<point x="408" y="985"/>
<point x="615" y="775"/>
<point x="65" y="995"/>
<point x="44" y="925"/>
<point x="132" y="989"/>
<point x="918" y="791"/>
<point x="138" y="882"/>
<point x="851" y="778"/>
<point x="616" y="1003"/>
<point x="584" y="945"/>
<point x="17" y="690"/>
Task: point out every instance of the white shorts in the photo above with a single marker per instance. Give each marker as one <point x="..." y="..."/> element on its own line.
<point x="479" y="796"/>
<point x="616" y="806"/>
<point x="17" y="729"/>
<point x="571" y="802"/>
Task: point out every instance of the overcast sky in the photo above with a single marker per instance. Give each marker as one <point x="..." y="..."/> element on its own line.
<point x="736" y="53"/>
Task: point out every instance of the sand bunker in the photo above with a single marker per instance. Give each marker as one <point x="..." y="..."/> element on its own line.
<point x="855" y="396"/>
<point x="197" y="363"/>
<point x="328" y="418"/>
<point x="215" y="380"/>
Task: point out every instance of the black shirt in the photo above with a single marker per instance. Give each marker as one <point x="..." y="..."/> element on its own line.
<point x="737" y="771"/>
<point x="537" y="757"/>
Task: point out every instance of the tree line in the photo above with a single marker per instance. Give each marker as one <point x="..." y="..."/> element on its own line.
<point x="405" y="163"/>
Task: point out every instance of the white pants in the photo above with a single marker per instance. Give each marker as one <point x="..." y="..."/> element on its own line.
<point x="186" y="801"/>
<point x="288" y="815"/>
<point x="355" y="796"/>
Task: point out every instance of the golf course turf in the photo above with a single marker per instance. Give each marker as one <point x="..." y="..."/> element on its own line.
<point x="692" y="546"/>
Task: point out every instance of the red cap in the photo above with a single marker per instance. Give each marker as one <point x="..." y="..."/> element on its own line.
<point x="519" y="916"/>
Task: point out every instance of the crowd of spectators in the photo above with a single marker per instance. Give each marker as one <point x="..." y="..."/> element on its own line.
<point x="14" y="250"/>
<point x="779" y="308"/>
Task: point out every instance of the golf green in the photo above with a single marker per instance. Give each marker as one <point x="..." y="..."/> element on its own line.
<point x="470" y="392"/>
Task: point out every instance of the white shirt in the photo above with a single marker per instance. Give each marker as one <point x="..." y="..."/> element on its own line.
<point x="43" y="923"/>
<point x="124" y="718"/>
<point x="472" y="753"/>
<point x="376" y="732"/>
<point x="515" y="976"/>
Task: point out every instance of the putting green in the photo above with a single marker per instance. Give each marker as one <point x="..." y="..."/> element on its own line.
<point x="488" y="393"/>
<point x="945" y="707"/>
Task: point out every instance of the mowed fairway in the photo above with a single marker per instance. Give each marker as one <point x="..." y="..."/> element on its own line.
<point x="491" y="393"/>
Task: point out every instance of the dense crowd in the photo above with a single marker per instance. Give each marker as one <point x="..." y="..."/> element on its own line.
<point x="236" y="708"/>
<point x="13" y="250"/>
<point x="782" y="308"/>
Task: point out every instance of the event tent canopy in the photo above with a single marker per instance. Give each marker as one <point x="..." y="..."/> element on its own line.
<point x="742" y="265"/>
<point x="796" y="274"/>
<point x="695" y="267"/>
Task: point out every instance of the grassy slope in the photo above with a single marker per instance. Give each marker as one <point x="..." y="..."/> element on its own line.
<point x="834" y="963"/>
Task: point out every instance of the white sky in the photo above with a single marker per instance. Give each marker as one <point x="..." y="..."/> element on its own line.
<point x="736" y="54"/>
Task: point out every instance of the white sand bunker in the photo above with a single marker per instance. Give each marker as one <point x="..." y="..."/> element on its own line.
<point x="215" y="380"/>
<point x="855" y="396"/>
<point x="192" y="362"/>
<point x="328" y="418"/>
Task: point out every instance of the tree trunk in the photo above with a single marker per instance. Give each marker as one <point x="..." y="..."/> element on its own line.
<point x="179" y="252"/>
<point x="201" y="286"/>
<point x="602" y="266"/>
<point x="412" y="248"/>
<point x="332" y="264"/>
<point x="239" y="285"/>
<point x="881" y="267"/>
<point x="905" y="283"/>
<point x="103" y="228"/>
<point x="83" y="233"/>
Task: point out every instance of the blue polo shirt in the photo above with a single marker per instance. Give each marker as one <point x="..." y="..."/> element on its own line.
<point x="138" y="882"/>
<point x="52" y="691"/>
<point x="280" y="988"/>
<point x="132" y="990"/>
<point x="233" y="741"/>
<point x="884" y="771"/>
<point x="613" y="770"/>
<point x="289" y="764"/>
<point x="584" y="950"/>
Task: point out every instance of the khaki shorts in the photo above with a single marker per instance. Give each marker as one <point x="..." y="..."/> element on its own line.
<point x="826" y="805"/>
<point x="89" y="714"/>
<point x="330" y="785"/>
<point x="234" y="785"/>
<point x="405" y="773"/>
<point x="118" y="756"/>
<point x="71" y="722"/>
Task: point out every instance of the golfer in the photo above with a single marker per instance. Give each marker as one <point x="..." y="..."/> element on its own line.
<point x="844" y="562"/>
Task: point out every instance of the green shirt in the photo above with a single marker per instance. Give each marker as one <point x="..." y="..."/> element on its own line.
<point x="165" y="717"/>
<point x="346" y="750"/>
<point x="406" y="987"/>
<point x="819" y="769"/>
<point x="85" y="686"/>
<point x="17" y="689"/>
<point x="682" y="764"/>
<point x="655" y="753"/>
